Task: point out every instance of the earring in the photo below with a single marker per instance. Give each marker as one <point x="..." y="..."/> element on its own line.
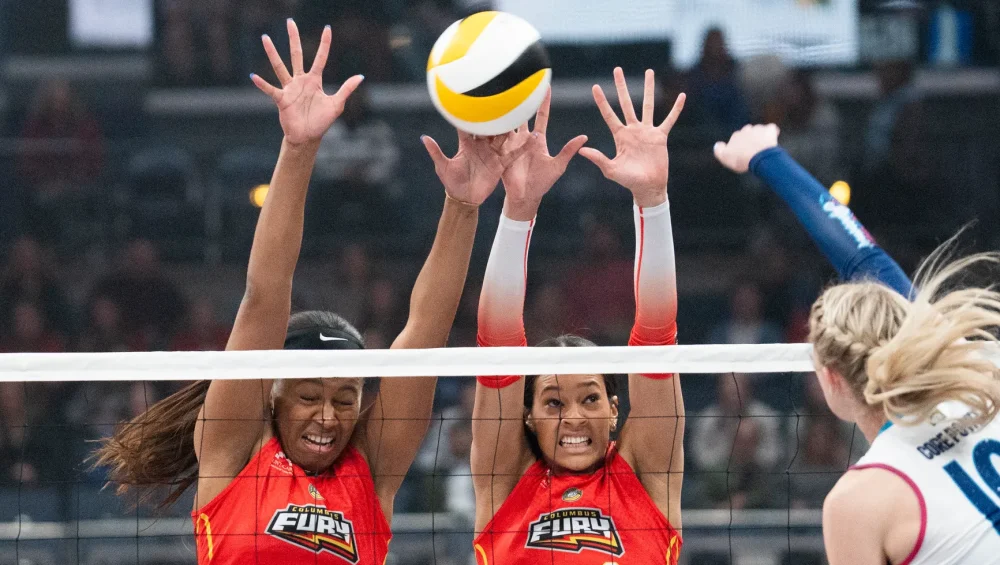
<point x="614" y="426"/>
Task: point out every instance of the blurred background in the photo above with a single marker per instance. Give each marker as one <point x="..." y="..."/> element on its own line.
<point x="134" y="154"/>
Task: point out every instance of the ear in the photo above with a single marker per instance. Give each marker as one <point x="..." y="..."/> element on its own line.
<point x="614" y="407"/>
<point x="528" y="420"/>
<point x="830" y="378"/>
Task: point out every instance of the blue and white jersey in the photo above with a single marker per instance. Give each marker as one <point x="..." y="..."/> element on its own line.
<point x="953" y="467"/>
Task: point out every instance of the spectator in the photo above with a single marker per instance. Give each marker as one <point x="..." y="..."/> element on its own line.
<point x="824" y="457"/>
<point x="31" y="333"/>
<point x="202" y="332"/>
<point x="12" y="434"/>
<point x="810" y="126"/>
<point x="787" y="284"/>
<point x="898" y="95"/>
<point x="346" y="283"/>
<point x="358" y="147"/>
<point x="67" y="149"/>
<point x="740" y="437"/>
<point x="105" y="332"/>
<point x="815" y="407"/>
<point x="746" y="323"/>
<point x="384" y="310"/>
<point x="33" y="436"/>
<point x="30" y="276"/>
<point x="744" y="483"/>
<point x="194" y="40"/>
<point x="435" y="455"/>
<point x="148" y="300"/>
<point x="254" y="19"/>
<point x="599" y="289"/>
<point x="460" y="496"/>
<point x="546" y="315"/>
<point x="360" y="36"/>
<point x="714" y="87"/>
<point x="898" y="171"/>
<point x="356" y="170"/>
<point x="62" y="156"/>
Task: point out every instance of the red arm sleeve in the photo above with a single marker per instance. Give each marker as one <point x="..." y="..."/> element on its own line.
<point x="501" y="304"/>
<point x="655" y="278"/>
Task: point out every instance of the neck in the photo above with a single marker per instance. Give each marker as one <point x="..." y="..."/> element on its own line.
<point x="870" y="423"/>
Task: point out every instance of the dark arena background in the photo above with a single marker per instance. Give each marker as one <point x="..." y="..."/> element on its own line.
<point x="135" y="154"/>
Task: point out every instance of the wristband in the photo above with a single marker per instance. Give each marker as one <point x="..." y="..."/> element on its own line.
<point x="497" y="382"/>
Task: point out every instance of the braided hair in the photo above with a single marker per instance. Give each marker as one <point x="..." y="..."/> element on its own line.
<point x="907" y="357"/>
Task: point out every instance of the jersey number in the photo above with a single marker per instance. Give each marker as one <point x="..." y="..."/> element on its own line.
<point x="981" y="458"/>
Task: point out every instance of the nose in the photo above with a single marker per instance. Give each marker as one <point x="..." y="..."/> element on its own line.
<point x="327" y="415"/>
<point x="571" y="414"/>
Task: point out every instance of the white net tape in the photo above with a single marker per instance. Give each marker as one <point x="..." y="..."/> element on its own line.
<point x="446" y="362"/>
<point x="35" y="367"/>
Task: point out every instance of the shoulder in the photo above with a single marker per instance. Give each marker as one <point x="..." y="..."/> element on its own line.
<point x="866" y="498"/>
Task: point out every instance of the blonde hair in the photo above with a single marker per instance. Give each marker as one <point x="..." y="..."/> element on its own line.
<point x="908" y="357"/>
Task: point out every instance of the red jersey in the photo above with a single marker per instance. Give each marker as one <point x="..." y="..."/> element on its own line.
<point x="273" y="513"/>
<point x="597" y="519"/>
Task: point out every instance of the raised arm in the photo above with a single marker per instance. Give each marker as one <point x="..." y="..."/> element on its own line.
<point x="839" y="235"/>
<point x="234" y="414"/>
<point x="652" y="437"/>
<point x="500" y="453"/>
<point x="402" y="411"/>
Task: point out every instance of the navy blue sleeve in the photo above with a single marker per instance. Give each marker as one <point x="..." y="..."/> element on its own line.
<point x="839" y="235"/>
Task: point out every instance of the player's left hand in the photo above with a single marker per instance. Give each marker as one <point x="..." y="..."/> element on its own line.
<point x="641" y="163"/>
<point x="474" y="172"/>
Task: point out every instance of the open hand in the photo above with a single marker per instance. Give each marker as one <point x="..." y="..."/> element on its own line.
<point x="641" y="163"/>
<point x="473" y="173"/>
<point x="529" y="177"/>
<point x="744" y="144"/>
<point x="305" y="111"/>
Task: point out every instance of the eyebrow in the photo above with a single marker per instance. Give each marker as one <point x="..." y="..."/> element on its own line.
<point x="310" y="382"/>
<point x="584" y="384"/>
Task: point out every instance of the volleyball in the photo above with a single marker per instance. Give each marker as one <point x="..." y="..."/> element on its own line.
<point x="488" y="73"/>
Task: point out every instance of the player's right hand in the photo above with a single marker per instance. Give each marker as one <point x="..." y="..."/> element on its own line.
<point x="305" y="111"/>
<point x="744" y="144"/>
<point x="527" y="179"/>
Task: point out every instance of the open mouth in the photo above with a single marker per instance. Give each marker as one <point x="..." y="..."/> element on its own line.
<point x="575" y="443"/>
<point x="318" y="443"/>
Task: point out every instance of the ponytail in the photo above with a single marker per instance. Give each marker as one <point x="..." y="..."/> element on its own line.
<point x="936" y="356"/>
<point x="909" y="357"/>
<point x="153" y="455"/>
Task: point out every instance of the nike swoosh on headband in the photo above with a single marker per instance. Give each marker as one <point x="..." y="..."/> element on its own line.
<point x="324" y="338"/>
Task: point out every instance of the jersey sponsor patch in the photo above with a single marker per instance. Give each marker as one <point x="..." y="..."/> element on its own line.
<point x="572" y="494"/>
<point x="315" y="528"/>
<point x="574" y="530"/>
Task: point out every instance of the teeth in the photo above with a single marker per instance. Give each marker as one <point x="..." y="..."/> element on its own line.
<point x="574" y="440"/>
<point x="321" y="440"/>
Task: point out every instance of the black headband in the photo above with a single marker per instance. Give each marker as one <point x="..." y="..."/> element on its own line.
<point x="320" y="337"/>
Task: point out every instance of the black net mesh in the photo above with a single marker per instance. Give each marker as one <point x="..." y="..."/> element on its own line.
<point x="761" y="451"/>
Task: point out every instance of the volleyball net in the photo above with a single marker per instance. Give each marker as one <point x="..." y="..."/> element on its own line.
<point x="761" y="448"/>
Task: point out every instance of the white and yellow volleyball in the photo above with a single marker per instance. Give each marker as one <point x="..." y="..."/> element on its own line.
<point x="488" y="73"/>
